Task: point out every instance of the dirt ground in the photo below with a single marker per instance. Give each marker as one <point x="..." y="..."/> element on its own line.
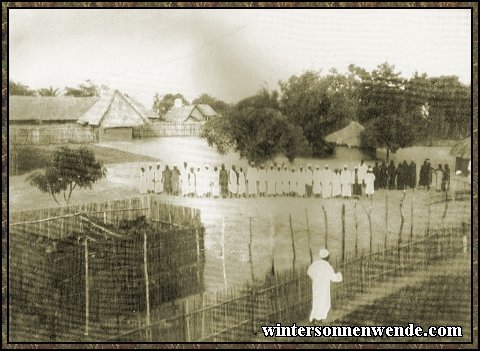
<point x="270" y="224"/>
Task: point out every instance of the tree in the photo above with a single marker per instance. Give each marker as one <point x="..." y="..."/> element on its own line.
<point x="391" y="132"/>
<point x="48" y="91"/>
<point x="218" y="105"/>
<point x="70" y="168"/>
<point x="17" y="88"/>
<point x="161" y="105"/>
<point x="84" y="90"/>
<point x="257" y="130"/>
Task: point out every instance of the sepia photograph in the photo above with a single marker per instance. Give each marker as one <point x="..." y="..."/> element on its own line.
<point x="240" y="175"/>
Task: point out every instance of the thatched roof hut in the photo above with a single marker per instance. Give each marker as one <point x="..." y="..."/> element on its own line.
<point x="348" y="136"/>
<point x="462" y="149"/>
<point x="190" y="113"/>
<point x="115" y="110"/>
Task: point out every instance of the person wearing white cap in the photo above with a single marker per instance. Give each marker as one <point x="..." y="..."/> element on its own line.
<point x="279" y="181"/>
<point x="150" y="179"/>
<point x="293" y="182"/>
<point x="215" y="179"/>
<point x="232" y="182"/>
<point x="142" y="185"/>
<point x="326" y="180"/>
<point x="271" y="175"/>
<point x="346" y="182"/>
<point x="184" y="180"/>
<point x="308" y="180"/>
<point x="317" y="181"/>
<point x="242" y="188"/>
<point x="191" y="182"/>
<point x="336" y="184"/>
<point x="157" y="178"/>
<point x="285" y="181"/>
<point x="370" y="182"/>
<point x="301" y="182"/>
<point x="206" y="177"/>
<point x="252" y="180"/>
<point x="199" y="182"/>
<point x="321" y="273"/>
<point x="262" y="181"/>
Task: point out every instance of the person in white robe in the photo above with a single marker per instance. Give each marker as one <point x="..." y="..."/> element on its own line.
<point x="362" y="172"/>
<point x="252" y="180"/>
<point x="150" y="179"/>
<point x="301" y="182"/>
<point x="309" y="180"/>
<point x="293" y="182"/>
<point x="336" y="184"/>
<point x="279" y="181"/>
<point x="157" y="178"/>
<point x="184" y="185"/>
<point x="327" y="182"/>
<point x="215" y="179"/>
<point x="286" y="181"/>
<point x="439" y="178"/>
<point x="142" y="181"/>
<point x="191" y="182"/>
<point x="207" y="181"/>
<point x="262" y="181"/>
<point x="242" y="187"/>
<point x="346" y="182"/>
<point x="317" y="181"/>
<point x="199" y="182"/>
<point x="271" y="177"/>
<point x="233" y="182"/>
<point x="322" y="274"/>
<point x="369" y="182"/>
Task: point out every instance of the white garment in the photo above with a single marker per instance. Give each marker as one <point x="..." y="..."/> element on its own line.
<point x="271" y="180"/>
<point x="242" y="188"/>
<point x="279" y="182"/>
<point x="232" y="182"/>
<point x="262" y="180"/>
<point x="308" y="177"/>
<point x="191" y="182"/>
<point x="327" y="183"/>
<point x="346" y="181"/>
<point x="301" y="183"/>
<point x="317" y="182"/>
<point x="150" y="180"/>
<point x="252" y="180"/>
<point x="369" y="180"/>
<point x="215" y="179"/>
<point x="199" y="181"/>
<point x="362" y="172"/>
<point x="336" y="184"/>
<point x="321" y="273"/>
<point x="184" y="185"/>
<point x="157" y="178"/>
<point x="142" y="183"/>
<point x="293" y="182"/>
<point x="286" y="181"/>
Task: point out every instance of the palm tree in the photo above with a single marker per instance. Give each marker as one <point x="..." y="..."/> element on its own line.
<point x="48" y="91"/>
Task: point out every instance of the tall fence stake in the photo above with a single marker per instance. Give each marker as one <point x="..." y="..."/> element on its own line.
<point x="326" y="226"/>
<point x="87" y="289"/>
<point x="343" y="233"/>
<point x="356" y="227"/>
<point x="250" y="251"/>
<point x="273" y="234"/>
<point x="386" y="222"/>
<point x="411" y="214"/>
<point x="223" y="253"/>
<point x="145" y="269"/>
<point x="309" y="237"/>
<point x="293" y="242"/>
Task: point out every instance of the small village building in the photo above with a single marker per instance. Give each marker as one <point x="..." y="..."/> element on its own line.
<point x="348" y="143"/>
<point x="191" y="113"/>
<point x="114" y="116"/>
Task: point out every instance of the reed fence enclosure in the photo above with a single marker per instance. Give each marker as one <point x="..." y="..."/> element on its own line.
<point x="89" y="272"/>
<point x="237" y="313"/>
<point x="51" y="134"/>
<point x="168" y="129"/>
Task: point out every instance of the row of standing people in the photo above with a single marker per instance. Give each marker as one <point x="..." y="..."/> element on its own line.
<point x="275" y="181"/>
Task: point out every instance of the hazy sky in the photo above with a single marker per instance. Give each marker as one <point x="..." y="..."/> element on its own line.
<point x="230" y="54"/>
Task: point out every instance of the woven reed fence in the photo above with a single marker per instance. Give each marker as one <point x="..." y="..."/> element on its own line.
<point x="51" y="134"/>
<point x="168" y="129"/>
<point x="90" y="272"/>
<point x="237" y="314"/>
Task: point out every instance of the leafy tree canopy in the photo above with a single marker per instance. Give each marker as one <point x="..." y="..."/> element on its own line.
<point x="218" y="105"/>
<point x="17" y="88"/>
<point x="162" y="104"/>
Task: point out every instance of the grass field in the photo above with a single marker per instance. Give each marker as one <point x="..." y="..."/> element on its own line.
<point x="270" y="226"/>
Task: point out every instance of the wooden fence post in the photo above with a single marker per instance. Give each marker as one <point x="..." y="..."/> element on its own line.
<point x="326" y="226"/>
<point x="250" y="251"/>
<point x="356" y="227"/>
<point x="145" y="269"/>
<point x="293" y="242"/>
<point x="411" y="214"/>
<point x="343" y="233"/>
<point x="274" y="236"/>
<point x="386" y="222"/>
<point x="187" y="320"/>
<point x="309" y="238"/>
<point x="87" y="288"/>
<point x="223" y="253"/>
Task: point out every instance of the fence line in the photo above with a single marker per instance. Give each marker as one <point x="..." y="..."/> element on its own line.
<point x="168" y="129"/>
<point x="51" y="134"/>
<point x="236" y="314"/>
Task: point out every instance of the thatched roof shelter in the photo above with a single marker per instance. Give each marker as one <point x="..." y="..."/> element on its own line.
<point x="190" y="113"/>
<point x="349" y="136"/>
<point x="114" y="110"/>
<point x="462" y="149"/>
